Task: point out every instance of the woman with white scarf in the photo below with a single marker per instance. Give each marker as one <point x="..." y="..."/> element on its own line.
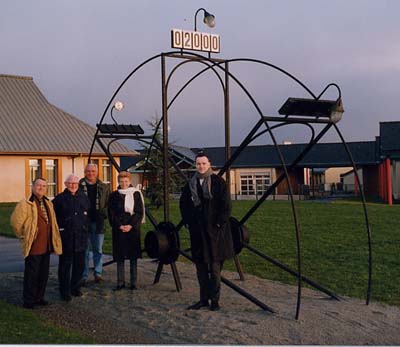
<point x="126" y="213"/>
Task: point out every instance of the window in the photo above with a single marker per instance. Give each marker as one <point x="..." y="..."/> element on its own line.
<point x="106" y="171"/>
<point x="35" y="170"/>
<point x="47" y="169"/>
<point x="246" y="185"/>
<point x="51" y="177"/>
<point x="254" y="184"/>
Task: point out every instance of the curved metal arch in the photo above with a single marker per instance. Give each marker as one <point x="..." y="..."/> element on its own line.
<point x="365" y="213"/>
<point x="328" y="86"/>
<point x="191" y="61"/>
<point x="115" y="94"/>
<point x="178" y="93"/>
<point x="284" y="124"/>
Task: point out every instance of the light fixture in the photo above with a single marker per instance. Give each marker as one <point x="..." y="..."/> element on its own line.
<point x="332" y="109"/>
<point x="118" y="105"/>
<point x="209" y="19"/>
<point x="337" y="111"/>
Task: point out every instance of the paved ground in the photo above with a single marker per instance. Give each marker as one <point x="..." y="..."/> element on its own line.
<point x="11" y="259"/>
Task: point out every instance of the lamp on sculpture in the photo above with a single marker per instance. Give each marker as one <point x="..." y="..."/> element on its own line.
<point x="315" y="108"/>
<point x="119" y="105"/>
<point x="209" y="19"/>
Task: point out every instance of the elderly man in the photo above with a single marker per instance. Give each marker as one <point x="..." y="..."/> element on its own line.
<point x="34" y="223"/>
<point x="98" y="193"/>
<point x="72" y="207"/>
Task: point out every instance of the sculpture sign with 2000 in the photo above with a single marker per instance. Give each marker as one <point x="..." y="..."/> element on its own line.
<point x="195" y="40"/>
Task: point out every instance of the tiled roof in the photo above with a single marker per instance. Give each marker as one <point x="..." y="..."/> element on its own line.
<point x="321" y="155"/>
<point x="30" y="124"/>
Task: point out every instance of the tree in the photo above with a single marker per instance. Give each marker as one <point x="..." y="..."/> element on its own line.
<point x="153" y="165"/>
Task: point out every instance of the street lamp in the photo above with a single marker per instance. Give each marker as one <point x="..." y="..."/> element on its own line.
<point x="119" y="105"/>
<point x="209" y="19"/>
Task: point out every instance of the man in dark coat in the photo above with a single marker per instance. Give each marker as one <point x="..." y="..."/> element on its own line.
<point x="205" y="207"/>
<point x="72" y="208"/>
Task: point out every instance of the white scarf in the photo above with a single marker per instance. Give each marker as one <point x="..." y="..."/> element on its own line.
<point x="130" y="200"/>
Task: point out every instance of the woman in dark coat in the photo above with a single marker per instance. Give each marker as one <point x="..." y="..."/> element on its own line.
<point x="126" y="214"/>
<point x="205" y="208"/>
<point x="71" y="207"/>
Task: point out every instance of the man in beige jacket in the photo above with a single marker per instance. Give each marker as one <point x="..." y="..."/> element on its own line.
<point x="34" y="222"/>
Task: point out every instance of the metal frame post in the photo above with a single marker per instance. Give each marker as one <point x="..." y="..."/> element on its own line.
<point x="165" y="139"/>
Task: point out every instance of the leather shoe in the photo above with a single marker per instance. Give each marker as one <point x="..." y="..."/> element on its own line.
<point x="119" y="287"/>
<point x="42" y="302"/>
<point x="215" y="306"/>
<point x="76" y="293"/>
<point x="66" y="298"/>
<point x="198" y="305"/>
<point x="98" y="279"/>
<point x="133" y="287"/>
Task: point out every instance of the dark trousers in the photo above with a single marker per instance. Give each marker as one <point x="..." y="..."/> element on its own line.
<point x="121" y="272"/>
<point x="209" y="277"/>
<point x="70" y="283"/>
<point x="36" y="274"/>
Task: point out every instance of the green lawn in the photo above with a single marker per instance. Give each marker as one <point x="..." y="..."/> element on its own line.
<point x="19" y="326"/>
<point x="334" y="243"/>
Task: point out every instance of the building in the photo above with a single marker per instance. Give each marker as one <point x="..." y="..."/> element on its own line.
<point x="325" y="170"/>
<point x="38" y="139"/>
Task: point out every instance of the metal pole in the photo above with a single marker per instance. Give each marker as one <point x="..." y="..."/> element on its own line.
<point x="228" y="154"/>
<point x="292" y="272"/>
<point x="165" y="140"/>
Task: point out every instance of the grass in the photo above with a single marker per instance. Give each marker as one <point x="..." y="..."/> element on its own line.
<point x="19" y="326"/>
<point x="333" y="237"/>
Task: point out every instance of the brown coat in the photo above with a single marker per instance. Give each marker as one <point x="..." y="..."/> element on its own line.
<point x="24" y="221"/>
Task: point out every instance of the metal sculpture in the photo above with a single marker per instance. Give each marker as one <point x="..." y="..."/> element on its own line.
<point x="307" y="112"/>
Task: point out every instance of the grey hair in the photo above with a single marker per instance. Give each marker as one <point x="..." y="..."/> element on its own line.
<point x="92" y="165"/>
<point x="71" y="177"/>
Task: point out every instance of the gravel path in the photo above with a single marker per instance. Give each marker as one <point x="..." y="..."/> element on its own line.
<point x="156" y="314"/>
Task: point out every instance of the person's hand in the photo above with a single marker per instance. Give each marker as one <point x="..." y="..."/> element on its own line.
<point x="125" y="228"/>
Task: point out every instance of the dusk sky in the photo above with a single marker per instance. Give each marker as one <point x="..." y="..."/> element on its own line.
<point x="78" y="52"/>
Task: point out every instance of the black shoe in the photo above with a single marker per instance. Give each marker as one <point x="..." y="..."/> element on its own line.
<point x="42" y="302"/>
<point x="133" y="287"/>
<point x="119" y="287"/>
<point x="66" y="298"/>
<point x="198" y="305"/>
<point x="28" y="305"/>
<point x="76" y="293"/>
<point x="215" y="306"/>
<point x="84" y="282"/>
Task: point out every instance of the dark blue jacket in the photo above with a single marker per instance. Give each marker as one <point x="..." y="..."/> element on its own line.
<point x="72" y="218"/>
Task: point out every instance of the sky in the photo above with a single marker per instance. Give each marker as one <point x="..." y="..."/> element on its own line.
<point x="79" y="52"/>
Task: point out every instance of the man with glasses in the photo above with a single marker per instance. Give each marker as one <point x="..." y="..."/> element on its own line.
<point x="72" y="207"/>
